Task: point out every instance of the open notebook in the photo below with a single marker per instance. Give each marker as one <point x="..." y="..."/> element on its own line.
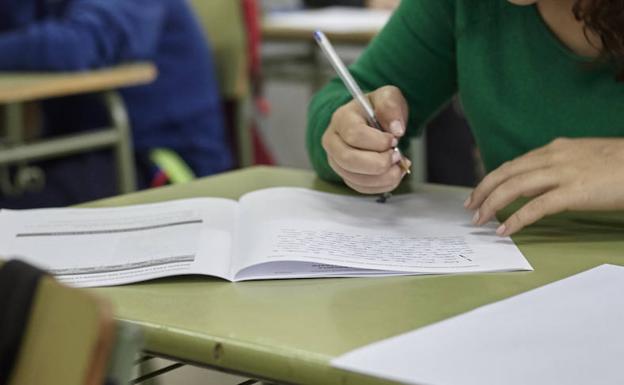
<point x="267" y="234"/>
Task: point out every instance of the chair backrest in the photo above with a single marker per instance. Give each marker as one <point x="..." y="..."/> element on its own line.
<point x="68" y="338"/>
<point x="223" y="23"/>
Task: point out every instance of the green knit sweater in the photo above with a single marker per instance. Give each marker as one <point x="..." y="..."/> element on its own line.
<point x="520" y="86"/>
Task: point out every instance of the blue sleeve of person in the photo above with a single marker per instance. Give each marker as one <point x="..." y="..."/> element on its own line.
<point x="85" y="34"/>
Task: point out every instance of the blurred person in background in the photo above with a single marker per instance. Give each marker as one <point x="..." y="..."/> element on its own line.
<point x="180" y="111"/>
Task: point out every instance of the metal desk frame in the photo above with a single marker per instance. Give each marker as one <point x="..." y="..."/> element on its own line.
<point x="16" y="89"/>
<point x="14" y="149"/>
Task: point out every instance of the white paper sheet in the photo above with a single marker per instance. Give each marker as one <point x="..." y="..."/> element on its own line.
<point x="424" y="232"/>
<point x="331" y="19"/>
<point x="569" y="332"/>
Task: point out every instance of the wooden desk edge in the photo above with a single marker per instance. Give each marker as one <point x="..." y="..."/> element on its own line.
<point x="24" y="87"/>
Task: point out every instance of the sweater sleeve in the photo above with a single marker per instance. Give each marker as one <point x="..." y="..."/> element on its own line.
<point x="415" y="51"/>
<point x="89" y="34"/>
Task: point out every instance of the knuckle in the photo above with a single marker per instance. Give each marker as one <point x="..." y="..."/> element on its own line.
<point x="559" y="142"/>
<point x="489" y="179"/>
<point x="535" y="207"/>
<point x="486" y="206"/>
<point x="340" y="116"/>
<point x="390" y="94"/>
<point x="383" y="107"/>
<point x="389" y="105"/>
<point x="551" y="158"/>
<point x="342" y="110"/>
<point x="519" y="218"/>
<point x="382" y="164"/>
<point x="561" y="200"/>
<point x="583" y="198"/>
<point x="486" y="184"/>
<point x="337" y="116"/>
<point x="534" y="211"/>
<point x="393" y="176"/>
<point x="347" y="158"/>
<point x="325" y="141"/>
<point x="558" y="157"/>
<point x="391" y="90"/>
<point x="356" y="187"/>
<point x="538" y="206"/>
<point x="494" y="202"/>
<point x="335" y="167"/>
<point x="351" y="135"/>
<point x="516" y="220"/>
<point x="502" y="192"/>
<point x="507" y="166"/>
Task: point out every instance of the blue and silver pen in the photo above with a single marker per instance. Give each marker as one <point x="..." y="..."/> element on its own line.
<point x="353" y="87"/>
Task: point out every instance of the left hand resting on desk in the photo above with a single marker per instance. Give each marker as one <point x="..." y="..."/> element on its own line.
<point x="567" y="174"/>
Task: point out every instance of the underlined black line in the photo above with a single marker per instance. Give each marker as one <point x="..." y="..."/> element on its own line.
<point x="125" y="267"/>
<point x="111" y="231"/>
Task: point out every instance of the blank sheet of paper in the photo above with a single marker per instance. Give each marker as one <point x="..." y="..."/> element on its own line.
<point x="568" y="332"/>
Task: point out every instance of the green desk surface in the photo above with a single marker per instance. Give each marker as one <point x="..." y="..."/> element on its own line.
<point x="288" y="331"/>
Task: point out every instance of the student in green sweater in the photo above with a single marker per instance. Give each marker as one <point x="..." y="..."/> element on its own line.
<point x="541" y="83"/>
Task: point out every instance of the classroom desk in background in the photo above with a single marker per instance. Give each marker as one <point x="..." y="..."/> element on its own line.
<point x="350" y="27"/>
<point x="277" y="33"/>
<point x="343" y="25"/>
<point x="287" y="331"/>
<point x="16" y="89"/>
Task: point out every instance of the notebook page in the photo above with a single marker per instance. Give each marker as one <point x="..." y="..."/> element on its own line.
<point x="111" y="246"/>
<point x="417" y="233"/>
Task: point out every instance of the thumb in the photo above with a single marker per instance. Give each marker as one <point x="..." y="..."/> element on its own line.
<point x="390" y="109"/>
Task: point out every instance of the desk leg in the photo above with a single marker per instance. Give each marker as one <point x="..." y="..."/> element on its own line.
<point x="126" y="173"/>
<point x="14" y="122"/>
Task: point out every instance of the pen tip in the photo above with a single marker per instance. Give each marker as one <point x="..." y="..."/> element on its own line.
<point x="317" y="35"/>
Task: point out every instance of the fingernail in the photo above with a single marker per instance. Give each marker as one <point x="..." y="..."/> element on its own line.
<point x="396" y="128"/>
<point x="467" y="202"/>
<point x="395" y="142"/>
<point x="396" y="157"/>
<point x="501" y="230"/>
<point x="475" y="218"/>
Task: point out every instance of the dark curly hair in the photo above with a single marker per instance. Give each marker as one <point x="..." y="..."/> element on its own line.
<point x="605" y="18"/>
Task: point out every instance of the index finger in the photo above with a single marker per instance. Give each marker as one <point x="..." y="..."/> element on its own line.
<point x="506" y="171"/>
<point x="356" y="133"/>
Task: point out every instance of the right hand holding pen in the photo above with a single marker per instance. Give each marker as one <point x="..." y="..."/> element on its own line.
<point x="362" y="155"/>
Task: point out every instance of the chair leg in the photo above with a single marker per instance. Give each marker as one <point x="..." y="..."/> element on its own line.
<point x="14" y="123"/>
<point x="243" y="131"/>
